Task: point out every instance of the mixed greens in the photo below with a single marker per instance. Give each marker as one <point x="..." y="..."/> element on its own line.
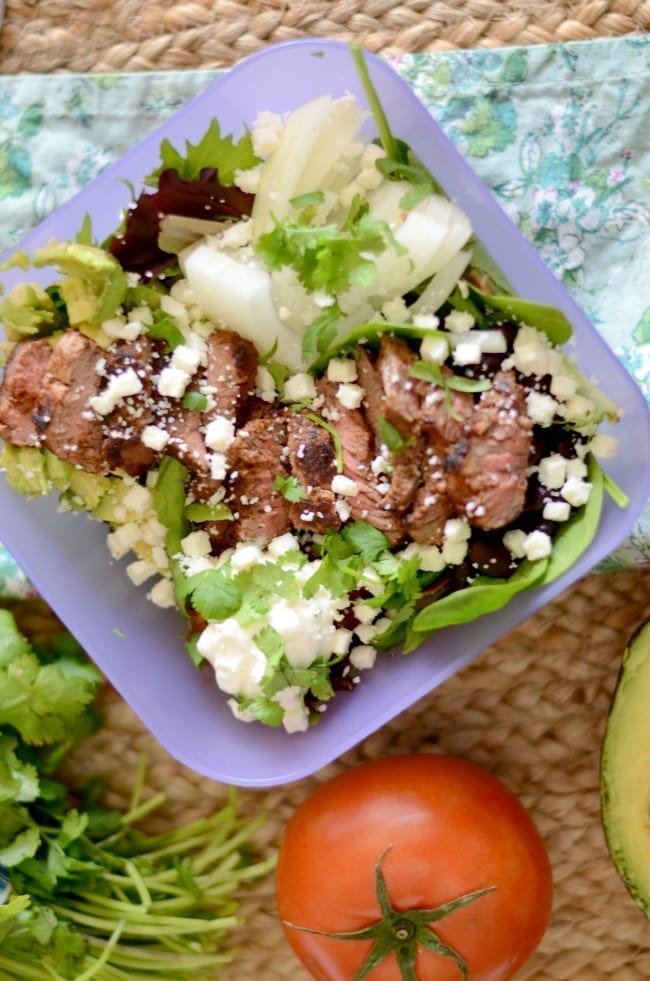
<point x="318" y="250"/>
<point x="87" y="893"/>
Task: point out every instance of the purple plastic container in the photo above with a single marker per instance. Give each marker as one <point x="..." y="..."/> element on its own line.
<point x="139" y="647"/>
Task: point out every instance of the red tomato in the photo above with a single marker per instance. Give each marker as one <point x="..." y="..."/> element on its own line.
<point x="451" y="829"/>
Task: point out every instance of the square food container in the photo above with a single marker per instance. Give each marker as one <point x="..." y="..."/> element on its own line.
<point x="139" y="647"/>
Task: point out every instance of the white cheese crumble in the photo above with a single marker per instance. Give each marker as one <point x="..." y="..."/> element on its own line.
<point x="219" y="433"/>
<point x="344" y="485"/>
<point x="173" y="382"/>
<point x="239" y="665"/>
<point x="349" y="395"/>
<point x="342" y="370"/>
<point x="541" y="408"/>
<point x="459" y="321"/>
<point x="299" y="387"/>
<point x="291" y="701"/>
<point x="576" y="491"/>
<point x="363" y="657"/>
<point x="119" y="387"/>
<point x="556" y="511"/>
<point x="155" y="438"/>
<point x="162" y="594"/>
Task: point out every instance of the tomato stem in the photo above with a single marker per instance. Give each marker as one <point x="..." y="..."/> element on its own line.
<point x="401" y="931"/>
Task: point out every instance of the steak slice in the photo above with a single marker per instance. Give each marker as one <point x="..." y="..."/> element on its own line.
<point x="228" y="378"/>
<point x="392" y="394"/>
<point x="123" y="446"/>
<point x="312" y="461"/>
<point x="230" y="373"/>
<point x="21" y="390"/>
<point x="358" y="451"/>
<point x="72" y="430"/>
<point x="487" y="468"/>
<point x="255" y="459"/>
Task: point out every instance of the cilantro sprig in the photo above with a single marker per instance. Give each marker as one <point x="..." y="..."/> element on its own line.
<point x="91" y="894"/>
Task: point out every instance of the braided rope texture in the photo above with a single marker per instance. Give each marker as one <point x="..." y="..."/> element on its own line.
<point x="531" y="709"/>
<point x="144" y="35"/>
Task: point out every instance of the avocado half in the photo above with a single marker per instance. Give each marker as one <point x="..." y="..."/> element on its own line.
<point x="625" y="770"/>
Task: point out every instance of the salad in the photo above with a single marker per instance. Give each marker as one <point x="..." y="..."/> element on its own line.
<point x="308" y="407"/>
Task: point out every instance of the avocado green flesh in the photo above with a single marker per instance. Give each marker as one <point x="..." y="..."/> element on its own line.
<point x="625" y="771"/>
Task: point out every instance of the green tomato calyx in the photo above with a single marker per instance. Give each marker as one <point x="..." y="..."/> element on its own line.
<point x="401" y="931"/>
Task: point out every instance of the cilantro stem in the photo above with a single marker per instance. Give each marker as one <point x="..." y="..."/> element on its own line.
<point x="385" y="133"/>
<point x="155" y="926"/>
<point x="106" y="953"/>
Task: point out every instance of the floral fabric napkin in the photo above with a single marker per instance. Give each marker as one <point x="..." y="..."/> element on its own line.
<point x="559" y="132"/>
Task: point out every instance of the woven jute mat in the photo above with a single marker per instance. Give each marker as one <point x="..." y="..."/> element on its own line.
<point x="140" y="35"/>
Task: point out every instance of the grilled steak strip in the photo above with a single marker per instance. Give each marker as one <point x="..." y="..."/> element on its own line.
<point x="312" y="460"/>
<point x="21" y="389"/>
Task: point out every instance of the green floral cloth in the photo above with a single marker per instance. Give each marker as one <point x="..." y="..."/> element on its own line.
<point x="558" y="132"/>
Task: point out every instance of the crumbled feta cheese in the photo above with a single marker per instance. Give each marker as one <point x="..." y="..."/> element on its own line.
<point x="514" y="542"/>
<point x="119" y="387"/>
<point x="537" y="545"/>
<point x="186" y="358"/>
<point x="459" y="321"/>
<point x="396" y="309"/>
<point x="541" y="408"/>
<point x="299" y="387"/>
<point x="122" y="329"/>
<point x="343" y="509"/>
<point x="239" y="665"/>
<point x="434" y="349"/>
<point x="453" y="553"/>
<point x="344" y="485"/>
<point x="266" y="132"/>
<point x="457" y="530"/>
<point x="363" y="657"/>
<point x="142" y="315"/>
<point x="282" y="544"/>
<point x="576" y="467"/>
<point x="122" y="539"/>
<point x="245" y="556"/>
<point x="306" y="626"/>
<point x="342" y="370"/>
<point x="177" y="310"/>
<point x="249" y="180"/>
<point x="556" y="511"/>
<point x="551" y="471"/>
<point x="341" y="640"/>
<point x="172" y="382"/>
<point x="219" y="433"/>
<point x="576" y="491"/>
<point x="563" y="387"/>
<point x="141" y="570"/>
<point x="532" y="352"/>
<point x="137" y="498"/>
<point x="155" y="438"/>
<point x="162" y="594"/>
<point x="217" y="466"/>
<point x="365" y="613"/>
<point x="196" y="545"/>
<point x="349" y="395"/>
<point x="296" y="715"/>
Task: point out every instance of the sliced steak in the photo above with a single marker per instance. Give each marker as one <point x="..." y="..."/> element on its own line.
<point x="402" y="393"/>
<point x="255" y="459"/>
<point x="358" y="450"/>
<point x="431" y="506"/>
<point x="230" y="373"/>
<point x="72" y="430"/>
<point x="21" y="391"/>
<point x="123" y="446"/>
<point x="228" y="378"/>
<point x="312" y="461"/>
<point x="487" y="467"/>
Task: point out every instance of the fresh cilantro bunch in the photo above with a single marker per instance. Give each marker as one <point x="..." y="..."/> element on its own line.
<point x="90" y="895"/>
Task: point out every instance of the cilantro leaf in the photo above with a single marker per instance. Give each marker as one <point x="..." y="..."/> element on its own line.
<point x="391" y="436"/>
<point x="214" y="594"/>
<point x="366" y="540"/>
<point x="165" y="328"/>
<point x="196" y="401"/>
<point x="289" y="488"/>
